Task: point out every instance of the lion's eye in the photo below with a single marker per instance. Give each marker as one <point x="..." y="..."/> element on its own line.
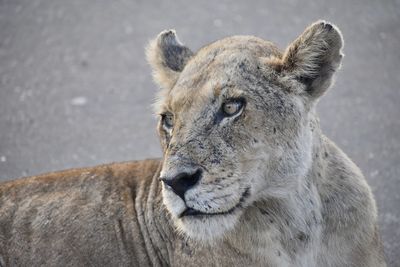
<point x="168" y="121"/>
<point x="232" y="107"/>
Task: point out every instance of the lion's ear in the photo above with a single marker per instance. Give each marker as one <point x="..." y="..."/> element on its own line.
<point x="314" y="57"/>
<point x="167" y="56"/>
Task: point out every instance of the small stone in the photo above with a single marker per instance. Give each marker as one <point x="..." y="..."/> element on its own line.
<point x="374" y="173"/>
<point x="217" y="23"/>
<point x="3" y="159"/>
<point x="79" y="101"/>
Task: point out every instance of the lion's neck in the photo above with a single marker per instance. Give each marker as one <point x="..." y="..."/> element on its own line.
<point x="275" y="228"/>
<point x="155" y="226"/>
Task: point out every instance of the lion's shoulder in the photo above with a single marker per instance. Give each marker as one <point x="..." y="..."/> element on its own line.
<point x="94" y="178"/>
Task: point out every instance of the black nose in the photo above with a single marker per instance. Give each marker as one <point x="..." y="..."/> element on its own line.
<point x="182" y="182"/>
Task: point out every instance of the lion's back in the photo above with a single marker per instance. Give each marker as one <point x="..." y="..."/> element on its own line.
<point x="39" y="215"/>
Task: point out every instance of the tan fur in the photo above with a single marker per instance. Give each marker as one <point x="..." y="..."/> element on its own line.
<point x="77" y="217"/>
<point x="271" y="189"/>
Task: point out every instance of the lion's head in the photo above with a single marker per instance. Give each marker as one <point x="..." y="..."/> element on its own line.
<point x="236" y="122"/>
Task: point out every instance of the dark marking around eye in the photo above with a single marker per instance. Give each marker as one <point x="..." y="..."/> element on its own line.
<point x="168" y="121"/>
<point x="219" y="116"/>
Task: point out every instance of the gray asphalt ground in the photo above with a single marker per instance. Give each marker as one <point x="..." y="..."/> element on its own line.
<point x="75" y="89"/>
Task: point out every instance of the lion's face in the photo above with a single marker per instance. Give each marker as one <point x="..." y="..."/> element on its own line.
<point x="234" y="127"/>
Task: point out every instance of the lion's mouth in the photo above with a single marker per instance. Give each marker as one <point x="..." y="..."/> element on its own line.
<point x="194" y="212"/>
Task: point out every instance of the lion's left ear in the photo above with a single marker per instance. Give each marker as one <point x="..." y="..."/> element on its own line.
<point x="314" y="57"/>
<point x="167" y="56"/>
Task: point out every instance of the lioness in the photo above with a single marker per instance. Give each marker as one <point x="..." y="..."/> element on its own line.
<point x="247" y="177"/>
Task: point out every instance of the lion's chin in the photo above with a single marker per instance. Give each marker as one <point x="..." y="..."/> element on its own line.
<point x="207" y="228"/>
<point x="203" y="226"/>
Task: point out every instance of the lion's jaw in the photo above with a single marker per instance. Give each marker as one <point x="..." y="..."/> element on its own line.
<point x="205" y="228"/>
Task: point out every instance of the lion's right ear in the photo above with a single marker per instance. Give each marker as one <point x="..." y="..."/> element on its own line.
<point x="167" y="56"/>
<point x="313" y="57"/>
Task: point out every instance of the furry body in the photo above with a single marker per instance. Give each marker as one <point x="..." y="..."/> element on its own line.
<point x="258" y="186"/>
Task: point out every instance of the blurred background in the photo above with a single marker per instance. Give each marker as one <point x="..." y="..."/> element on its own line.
<point x="75" y="89"/>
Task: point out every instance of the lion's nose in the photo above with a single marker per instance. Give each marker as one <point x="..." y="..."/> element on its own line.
<point x="182" y="182"/>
